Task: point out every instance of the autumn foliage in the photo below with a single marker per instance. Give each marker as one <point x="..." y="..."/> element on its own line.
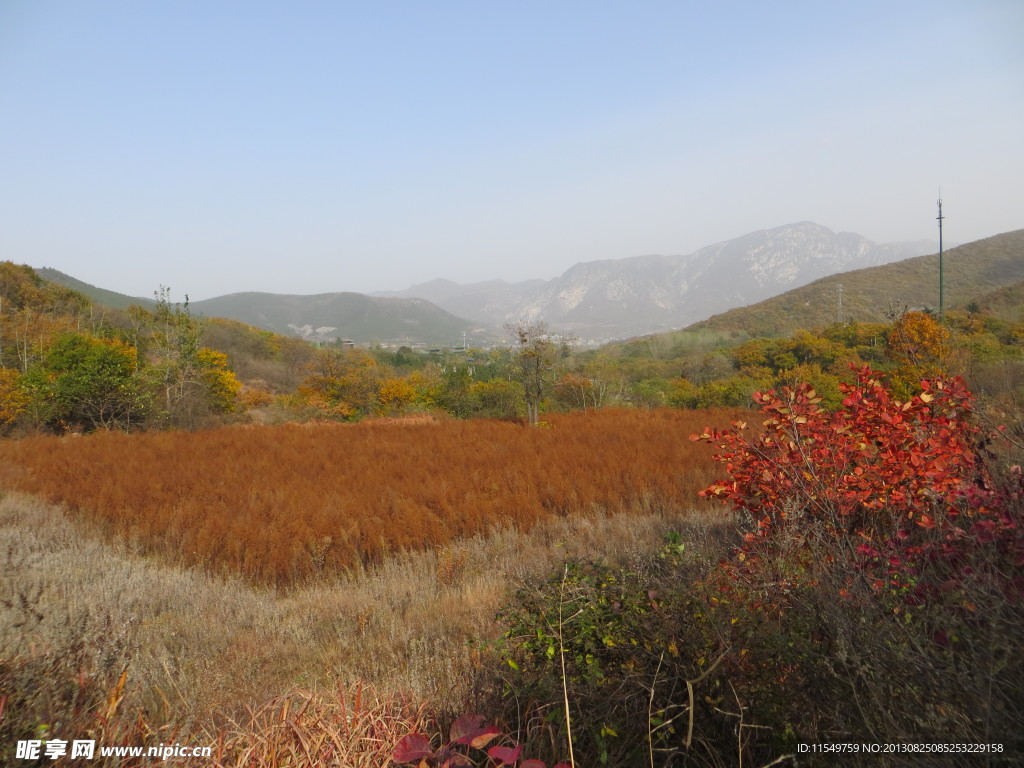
<point x="468" y="734"/>
<point x="880" y="558"/>
<point x="877" y="472"/>
<point x="873" y="467"/>
<point x="284" y="503"/>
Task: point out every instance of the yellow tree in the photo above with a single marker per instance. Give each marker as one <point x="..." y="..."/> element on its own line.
<point x="395" y="395"/>
<point x="917" y="344"/>
<point x="576" y="391"/>
<point x="222" y="387"/>
<point x="13" y="399"/>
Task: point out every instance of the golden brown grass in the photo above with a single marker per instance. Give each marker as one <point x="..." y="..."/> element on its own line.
<point x="282" y="505"/>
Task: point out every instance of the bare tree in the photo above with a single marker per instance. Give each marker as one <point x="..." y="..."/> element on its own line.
<point x="535" y="354"/>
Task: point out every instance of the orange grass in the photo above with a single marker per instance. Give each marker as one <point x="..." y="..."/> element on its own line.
<point x="282" y="504"/>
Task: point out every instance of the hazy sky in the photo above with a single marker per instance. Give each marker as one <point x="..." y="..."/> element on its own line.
<point x="305" y="147"/>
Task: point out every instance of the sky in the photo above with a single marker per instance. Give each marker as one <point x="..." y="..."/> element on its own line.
<point x="315" y="146"/>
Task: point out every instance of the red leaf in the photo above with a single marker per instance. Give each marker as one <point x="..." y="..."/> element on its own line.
<point x="411" y="748"/>
<point x="505" y="755"/>
<point x="464" y="726"/>
<point x="483" y="737"/>
<point x="533" y="764"/>
<point x="470" y="730"/>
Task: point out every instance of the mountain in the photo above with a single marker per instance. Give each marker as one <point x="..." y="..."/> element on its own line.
<point x="323" y="317"/>
<point x="329" y="316"/>
<point x="492" y="302"/>
<point x="617" y="298"/>
<point x="598" y="300"/>
<point x="102" y="296"/>
<point x="972" y="272"/>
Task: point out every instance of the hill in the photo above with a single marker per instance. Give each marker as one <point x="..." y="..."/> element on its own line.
<point x="323" y="317"/>
<point x="1004" y="303"/>
<point x="492" y="302"/>
<point x="868" y="295"/>
<point x="102" y="296"/>
<point x="330" y="316"/>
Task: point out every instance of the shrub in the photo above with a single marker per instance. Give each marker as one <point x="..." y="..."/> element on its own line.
<point x="877" y="589"/>
<point x="872" y="594"/>
<point x="626" y="653"/>
<point x="885" y="479"/>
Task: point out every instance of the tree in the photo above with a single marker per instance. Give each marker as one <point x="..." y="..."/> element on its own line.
<point x="343" y="382"/>
<point x="222" y="387"/>
<point x="574" y="390"/>
<point x="13" y="398"/>
<point x="535" y="354"/>
<point x="192" y="382"/>
<point x="495" y="398"/>
<point x="917" y="340"/>
<point x="87" y="383"/>
<point x="918" y="345"/>
<point x="170" y="338"/>
<point x="454" y="394"/>
<point x="395" y="395"/>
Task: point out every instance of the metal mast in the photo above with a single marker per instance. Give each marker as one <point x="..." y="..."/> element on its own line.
<point x="941" y="295"/>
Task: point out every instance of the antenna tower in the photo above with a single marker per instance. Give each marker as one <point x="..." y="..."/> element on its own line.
<point x="839" y="304"/>
<point x="941" y="294"/>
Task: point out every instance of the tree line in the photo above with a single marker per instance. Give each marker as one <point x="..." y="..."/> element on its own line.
<point x="67" y="365"/>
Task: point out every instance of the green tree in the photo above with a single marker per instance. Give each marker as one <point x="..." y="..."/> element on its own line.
<point x="87" y="383"/>
<point x="496" y="398"/>
<point x="454" y="395"/>
<point x="192" y="383"/>
<point x="651" y="393"/>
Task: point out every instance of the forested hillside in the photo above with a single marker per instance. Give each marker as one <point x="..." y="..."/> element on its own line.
<point x="871" y="295"/>
<point x="68" y="364"/>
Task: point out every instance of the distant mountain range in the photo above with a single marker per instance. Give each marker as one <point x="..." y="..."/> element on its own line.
<point x="598" y="300"/>
<point x="646" y="294"/>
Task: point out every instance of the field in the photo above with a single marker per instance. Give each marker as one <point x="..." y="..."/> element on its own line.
<point x="190" y="562"/>
<point x="285" y="504"/>
<point x="308" y="595"/>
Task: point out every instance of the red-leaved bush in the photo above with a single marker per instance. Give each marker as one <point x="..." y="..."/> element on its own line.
<point x="890" y="483"/>
<point x="876" y="589"/>
<point x="873" y="596"/>
<point x="467" y="734"/>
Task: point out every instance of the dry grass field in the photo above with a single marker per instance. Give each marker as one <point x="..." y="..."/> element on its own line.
<point x="285" y="504"/>
<point x="188" y="564"/>
<point x="215" y="660"/>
